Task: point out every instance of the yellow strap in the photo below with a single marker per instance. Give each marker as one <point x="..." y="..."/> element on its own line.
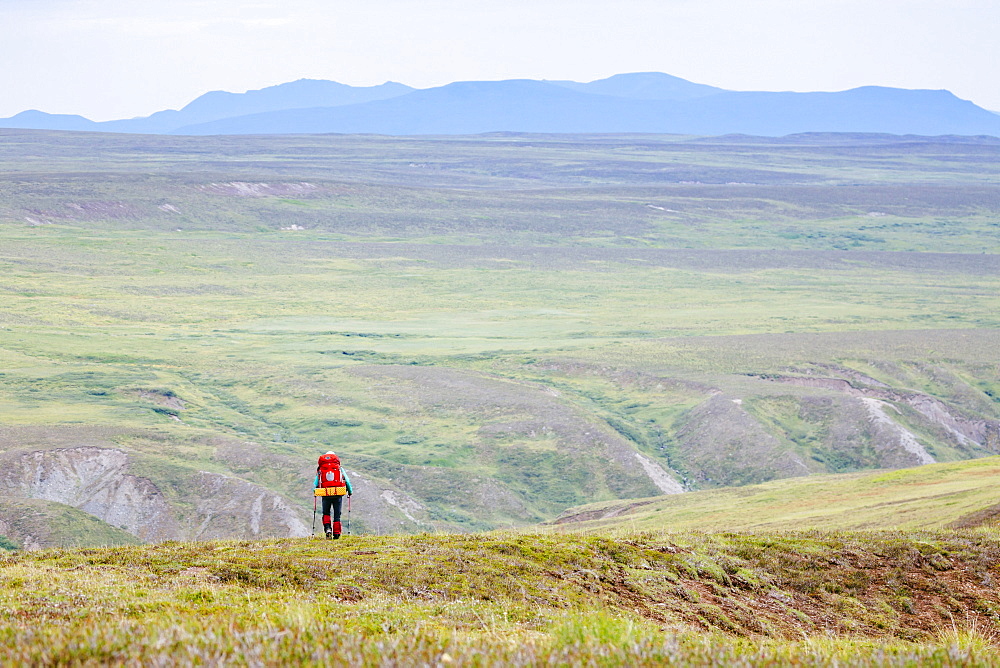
<point x="330" y="491"/>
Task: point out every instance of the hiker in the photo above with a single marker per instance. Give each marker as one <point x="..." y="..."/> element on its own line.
<point x="332" y="484"/>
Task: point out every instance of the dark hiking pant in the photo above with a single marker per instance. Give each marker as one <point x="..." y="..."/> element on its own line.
<point x="334" y="502"/>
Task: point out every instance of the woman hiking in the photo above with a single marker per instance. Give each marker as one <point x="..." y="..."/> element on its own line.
<point x="332" y="484"/>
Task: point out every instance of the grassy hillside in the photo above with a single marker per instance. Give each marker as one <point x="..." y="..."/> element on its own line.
<point x="887" y="598"/>
<point x="935" y="496"/>
<point x="489" y="329"/>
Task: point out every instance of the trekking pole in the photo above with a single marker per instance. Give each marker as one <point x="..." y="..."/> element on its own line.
<point x="314" y="515"/>
<point x="348" y="515"/>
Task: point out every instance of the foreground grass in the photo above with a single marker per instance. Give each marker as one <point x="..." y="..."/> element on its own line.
<point x="501" y="599"/>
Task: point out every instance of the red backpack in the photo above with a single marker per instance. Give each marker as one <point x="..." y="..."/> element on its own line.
<point x="331" y="479"/>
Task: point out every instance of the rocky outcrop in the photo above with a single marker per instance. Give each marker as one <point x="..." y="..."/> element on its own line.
<point x="100" y="482"/>
<point x="966" y="431"/>
<point x="246" y="189"/>
<point x="232" y="508"/>
<point x="387" y="510"/>
<point x="888" y="434"/>
<point x="961" y="428"/>
<point x="95" y="480"/>
<point x="663" y="480"/>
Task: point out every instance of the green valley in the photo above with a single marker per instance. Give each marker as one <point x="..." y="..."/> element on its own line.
<point x="489" y="330"/>
<point x="604" y="400"/>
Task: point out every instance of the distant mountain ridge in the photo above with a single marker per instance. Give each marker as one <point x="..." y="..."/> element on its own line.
<point x="220" y="104"/>
<point x="643" y="86"/>
<point x="645" y="102"/>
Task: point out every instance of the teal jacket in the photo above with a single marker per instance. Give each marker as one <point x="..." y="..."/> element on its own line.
<point x="347" y="481"/>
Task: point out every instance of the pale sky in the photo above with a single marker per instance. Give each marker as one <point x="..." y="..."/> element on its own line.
<point x="107" y="59"/>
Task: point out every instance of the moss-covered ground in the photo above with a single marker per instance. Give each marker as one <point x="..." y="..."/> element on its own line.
<point x="885" y="598"/>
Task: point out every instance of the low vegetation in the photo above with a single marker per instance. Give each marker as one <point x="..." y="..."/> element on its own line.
<point x="885" y="598"/>
<point x="936" y="496"/>
<point x="491" y="329"/>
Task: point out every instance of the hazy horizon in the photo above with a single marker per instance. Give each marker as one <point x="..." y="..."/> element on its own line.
<point x="115" y="59"/>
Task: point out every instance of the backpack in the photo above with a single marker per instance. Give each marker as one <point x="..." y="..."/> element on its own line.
<point x="331" y="479"/>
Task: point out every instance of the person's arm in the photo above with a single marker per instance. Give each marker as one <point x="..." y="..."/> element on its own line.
<point x="316" y="481"/>
<point x="347" y="481"/>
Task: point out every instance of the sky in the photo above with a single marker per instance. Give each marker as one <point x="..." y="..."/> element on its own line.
<point x="109" y="59"/>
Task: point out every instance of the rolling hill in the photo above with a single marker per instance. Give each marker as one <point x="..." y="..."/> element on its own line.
<point x="935" y="496"/>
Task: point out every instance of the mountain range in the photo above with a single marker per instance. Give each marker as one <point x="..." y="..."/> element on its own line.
<point x="649" y="102"/>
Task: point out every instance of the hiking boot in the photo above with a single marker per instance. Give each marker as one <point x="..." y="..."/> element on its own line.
<point x="335" y="536"/>
<point x="329" y="535"/>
